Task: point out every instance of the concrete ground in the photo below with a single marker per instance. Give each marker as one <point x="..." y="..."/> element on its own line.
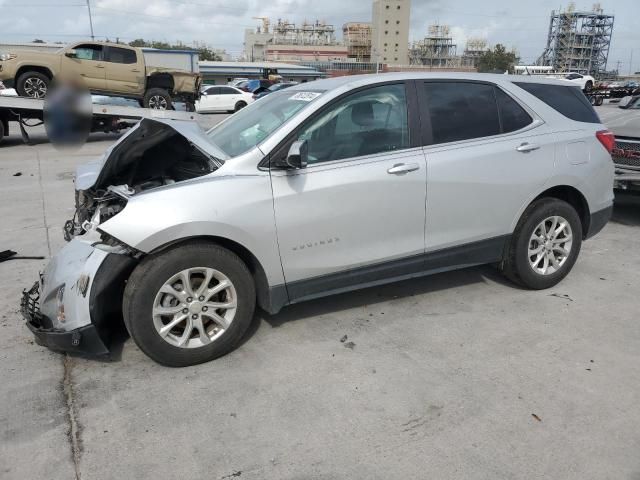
<point x="456" y="376"/>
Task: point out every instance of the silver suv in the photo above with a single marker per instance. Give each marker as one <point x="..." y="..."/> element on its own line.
<point x="322" y="188"/>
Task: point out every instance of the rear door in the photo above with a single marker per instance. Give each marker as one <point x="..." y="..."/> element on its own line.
<point x="124" y="71"/>
<point x="356" y="214"/>
<point x="486" y="154"/>
<point x="228" y="98"/>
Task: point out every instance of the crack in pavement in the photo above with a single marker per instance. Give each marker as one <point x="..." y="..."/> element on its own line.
<point x="73" y="433"/>
<point x="44" y="209"/>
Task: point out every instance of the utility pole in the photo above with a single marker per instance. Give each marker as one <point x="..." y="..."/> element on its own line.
<point x="90" y="20"/>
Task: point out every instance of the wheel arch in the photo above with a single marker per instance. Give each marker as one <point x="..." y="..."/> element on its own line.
<point x="269" y="298"/>
<point x="33" y="68"/>
<point x="573" y="197"/>
<point x="161" y="80"/>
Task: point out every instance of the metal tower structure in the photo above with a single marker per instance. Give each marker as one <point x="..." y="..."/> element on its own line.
<point x="578" y="41"/>
<point x="435" y="50"/>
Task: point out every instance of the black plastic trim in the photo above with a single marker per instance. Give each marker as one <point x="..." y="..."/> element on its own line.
<point x="598" y="221"/>
<point x="475" y="253"/>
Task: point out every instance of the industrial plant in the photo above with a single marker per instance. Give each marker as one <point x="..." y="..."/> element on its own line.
<point x="578" y="41"/>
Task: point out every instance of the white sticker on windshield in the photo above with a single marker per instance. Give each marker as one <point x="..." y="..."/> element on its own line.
<point x="305" y="96"/>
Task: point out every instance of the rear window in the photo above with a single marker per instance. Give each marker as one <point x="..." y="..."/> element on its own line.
<point x="569" y="101"/>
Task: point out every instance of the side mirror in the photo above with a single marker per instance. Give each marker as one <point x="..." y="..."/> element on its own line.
<point x="298" y="155"/>
<point x="70" y="53"/>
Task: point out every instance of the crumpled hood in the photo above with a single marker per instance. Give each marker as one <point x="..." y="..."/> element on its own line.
<point x="121" y="156"/>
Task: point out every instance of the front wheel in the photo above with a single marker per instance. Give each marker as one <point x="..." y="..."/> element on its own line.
<point x="189" y="304"/>
<point x="545" y="244"/>
<point x="33" y="84"/>
<point x="158" y="99"/>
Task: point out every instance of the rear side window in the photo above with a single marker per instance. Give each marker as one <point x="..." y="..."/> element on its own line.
<point x="461" y="111"/>
<point x="569" y="101"/>
<point x="121" y="55"/>
<point x="512" y="115"/>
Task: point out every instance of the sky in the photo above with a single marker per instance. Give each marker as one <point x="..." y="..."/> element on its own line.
<point x="221" y="23"/>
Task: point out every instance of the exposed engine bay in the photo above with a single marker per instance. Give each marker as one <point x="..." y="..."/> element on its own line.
<point x="151" y="156"/>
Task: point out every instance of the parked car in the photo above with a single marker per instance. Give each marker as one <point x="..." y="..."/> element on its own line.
<point x="318" y="189"/>
<point x="255" y="86"/>
<point x="273" y="88"/>
<point x="236" y="81"/>
<point x="105" y="68"/>
<point x="223" y="99"/>
<point x="585" y="82"/>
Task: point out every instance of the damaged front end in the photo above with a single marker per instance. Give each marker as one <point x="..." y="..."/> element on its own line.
<point x="153" y="154"/>
<point x="78" y="298"/>
<point x="74" y="304"/>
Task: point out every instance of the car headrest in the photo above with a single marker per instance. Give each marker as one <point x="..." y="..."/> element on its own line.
<point x="362" y="114"/>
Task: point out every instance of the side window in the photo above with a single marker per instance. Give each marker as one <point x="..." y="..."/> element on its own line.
<point x="512" y="115"/>
<point x="569" y="101"/>
<point x="461" y="111"/>
<point x="121" y="55"/>
<point x="364" y="123"/>
<point x="89" y="52"/>
<point x="227" y="91"/>
<point x="212" y="91"/>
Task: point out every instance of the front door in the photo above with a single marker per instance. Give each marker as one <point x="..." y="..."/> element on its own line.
<point x="87" y="64"/>
<point x="356" y="214"/>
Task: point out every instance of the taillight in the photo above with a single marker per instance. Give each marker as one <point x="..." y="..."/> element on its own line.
<point x="607" y="140"/>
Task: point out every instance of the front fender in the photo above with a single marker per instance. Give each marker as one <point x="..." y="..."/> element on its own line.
<point x="238" y="208"/>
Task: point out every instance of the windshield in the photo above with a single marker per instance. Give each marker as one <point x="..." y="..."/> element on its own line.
<point x="251" y="125"/>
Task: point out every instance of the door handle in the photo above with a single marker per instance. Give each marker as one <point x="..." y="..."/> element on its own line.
<point x="135" y="70"/>
<point x="99" y="66"/>
<point x="402" y="168"/>
<point x="527" y="147"/>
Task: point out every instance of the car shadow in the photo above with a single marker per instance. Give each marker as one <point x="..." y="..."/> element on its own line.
<point x="626" y="209"/>
<point x="384" y="293"/>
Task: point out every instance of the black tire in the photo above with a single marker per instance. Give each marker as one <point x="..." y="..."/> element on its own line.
<point x="2" y="133"/>
<point x="515" y="264"/>
<point x="588" y="86"/>
<point x="150" y="275"/>
<point x="25" y="90"/>
<point x="240" y="105"/>
<point x="599" y="101"/>
<point x="157" y="98"/>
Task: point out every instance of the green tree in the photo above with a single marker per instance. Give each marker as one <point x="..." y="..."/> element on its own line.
<point x="204" y="53"/>
<point x="497" y="60"/>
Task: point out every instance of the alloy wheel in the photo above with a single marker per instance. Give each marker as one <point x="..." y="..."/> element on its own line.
<point x="158" y="102"/>
<point x="550" y="245"/>
<point x="194" y="307"/>
<point x="35" y="87"/>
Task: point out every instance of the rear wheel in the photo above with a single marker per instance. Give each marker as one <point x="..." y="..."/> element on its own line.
<point x="33" y="84"/>
<point x="545" y="244"/>
<point x="158" y="99"/>
<point x="190" y="304"/>
<point x="239" y="106"/>
<point x="588" y="86"/>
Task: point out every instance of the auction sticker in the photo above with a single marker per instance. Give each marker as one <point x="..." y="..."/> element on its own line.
<point x="305" y="96"/>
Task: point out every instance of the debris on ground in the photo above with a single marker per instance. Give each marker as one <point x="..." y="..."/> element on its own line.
<point x="343" y="339"/>
<point x="233" y="474"/>
<point x="11" y="255"/>
<point x="17" y="174"/>
<point x="536" y="417"/>
<point x="350" y="345"/>
<point x="562" y="295"/>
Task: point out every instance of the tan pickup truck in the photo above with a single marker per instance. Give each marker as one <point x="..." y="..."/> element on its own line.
<point x="104" y="68"/>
